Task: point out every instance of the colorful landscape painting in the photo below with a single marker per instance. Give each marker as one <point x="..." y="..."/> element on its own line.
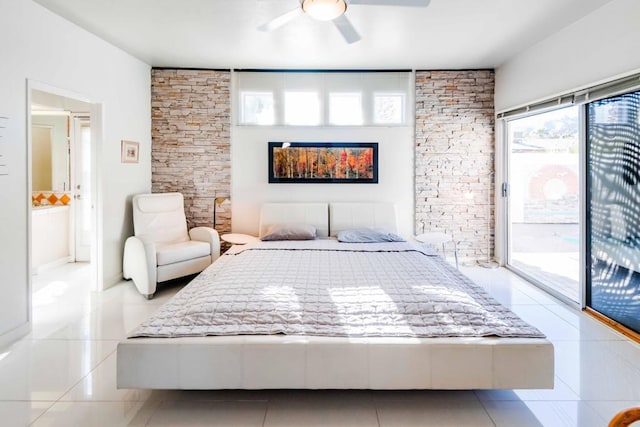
<point x="323" y="162"/>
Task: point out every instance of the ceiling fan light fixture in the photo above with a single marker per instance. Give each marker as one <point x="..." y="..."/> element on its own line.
<point x="324" y="10"/>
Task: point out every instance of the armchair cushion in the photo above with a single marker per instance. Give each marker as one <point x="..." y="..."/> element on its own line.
<point x="161" y="217"/>
<point x="169" y="253"/>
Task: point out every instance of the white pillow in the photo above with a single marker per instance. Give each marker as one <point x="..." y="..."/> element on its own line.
<point x="290" y="232"/>
<point x="367" y="235"/>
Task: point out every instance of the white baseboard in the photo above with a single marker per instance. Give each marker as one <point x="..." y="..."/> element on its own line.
<point x="48" y="266"/>
<point x="113" y="280"/>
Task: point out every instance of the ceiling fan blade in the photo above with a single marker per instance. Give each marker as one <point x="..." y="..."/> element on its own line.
<point x="279" y="21"/>
<point x="412" y="3"/>
<point x="347" y="29"/>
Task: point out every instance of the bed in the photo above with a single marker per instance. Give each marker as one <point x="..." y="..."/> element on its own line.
<point x="333" y="342"/>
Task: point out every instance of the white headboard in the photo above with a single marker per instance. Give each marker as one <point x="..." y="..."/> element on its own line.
<point x="343" y="216"/>
<point x="316" y="214"/>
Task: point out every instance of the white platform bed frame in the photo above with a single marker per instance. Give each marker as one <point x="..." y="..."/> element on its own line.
<point x="311" y="362"/>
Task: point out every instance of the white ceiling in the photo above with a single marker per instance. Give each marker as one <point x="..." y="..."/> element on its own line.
<point x="449" y="34"/>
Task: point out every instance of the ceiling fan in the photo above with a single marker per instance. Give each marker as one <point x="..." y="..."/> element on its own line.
<point x="334" y="10"/>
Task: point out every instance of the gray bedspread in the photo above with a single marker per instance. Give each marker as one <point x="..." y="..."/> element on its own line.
<point x="326" y="288"/>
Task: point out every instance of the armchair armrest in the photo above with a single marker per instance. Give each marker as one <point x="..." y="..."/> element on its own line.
<point x="209" y="235"/>
<point x="139" y="263"/>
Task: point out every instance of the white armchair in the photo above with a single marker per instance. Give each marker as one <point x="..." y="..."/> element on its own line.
<point x="161" y="249"/>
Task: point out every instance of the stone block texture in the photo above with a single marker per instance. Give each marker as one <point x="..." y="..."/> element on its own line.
<point x="191" y="122"/>
<point x="454" y="158"/>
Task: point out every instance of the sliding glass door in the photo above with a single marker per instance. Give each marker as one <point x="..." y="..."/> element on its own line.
<point x="543" y="199"/>
<point x="571" y="194"/>
<point x="613" y="208"/>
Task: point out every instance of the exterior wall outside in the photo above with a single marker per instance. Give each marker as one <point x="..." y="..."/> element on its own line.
<point x="454" y="158"/>
<point x="191" y="148"/>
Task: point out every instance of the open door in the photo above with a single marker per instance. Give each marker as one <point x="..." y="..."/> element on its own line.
<point x="543" y="199"/>
<point x="81" y="184"/>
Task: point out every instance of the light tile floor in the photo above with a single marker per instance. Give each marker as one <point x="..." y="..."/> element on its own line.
<point x="549" y="253"/>
<point x="63" y="373"/>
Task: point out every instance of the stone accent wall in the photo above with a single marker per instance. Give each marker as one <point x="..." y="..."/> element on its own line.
<point x="454" y="179"/>
<point x="191" y="121"/>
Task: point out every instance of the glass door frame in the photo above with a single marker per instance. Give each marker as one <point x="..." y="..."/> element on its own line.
<point x="507" y="231"/>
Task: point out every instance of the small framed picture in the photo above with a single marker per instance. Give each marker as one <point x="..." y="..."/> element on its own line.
<point x="130" y="151"/>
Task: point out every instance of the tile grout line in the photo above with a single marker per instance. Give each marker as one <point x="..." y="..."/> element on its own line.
<point x="375" y="407"/>
<point x="43" y="412"/>
<point x="266" y="410"/>
<point x="80" y="381"/>
<point x="484" y="408"/>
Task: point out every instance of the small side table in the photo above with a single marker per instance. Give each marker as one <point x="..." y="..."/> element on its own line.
<point x="238" y="239"/>
<point x="437" y="238"/>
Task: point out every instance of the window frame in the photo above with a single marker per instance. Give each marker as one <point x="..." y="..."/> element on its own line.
<point x="319" y="118"/>
<point x="360" y="96"/>
<point x="244" y="94"/>
<point x="403" y="108"/>
<point x="368" y="84"/>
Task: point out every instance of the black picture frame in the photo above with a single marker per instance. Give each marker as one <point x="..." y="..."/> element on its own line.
<point x="331" y="162"/>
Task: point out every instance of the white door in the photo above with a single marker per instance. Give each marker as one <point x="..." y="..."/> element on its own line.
<point x="81" y="146"/>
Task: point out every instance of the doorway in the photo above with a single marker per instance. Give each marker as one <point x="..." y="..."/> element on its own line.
<point x="63" y="225"/>
<point x="543" y="203"/>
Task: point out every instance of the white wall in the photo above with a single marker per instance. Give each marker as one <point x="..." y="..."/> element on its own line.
<point x="599" y="47"/>
<point x="249" y="174"/>
<point x="42" y="47"/>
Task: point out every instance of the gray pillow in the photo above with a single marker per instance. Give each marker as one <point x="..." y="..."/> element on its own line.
<point x="367" y="235"/>
<point x="290" y="232"/>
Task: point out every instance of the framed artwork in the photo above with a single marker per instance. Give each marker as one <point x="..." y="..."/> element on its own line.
<point x="323" y="162"/>
<point x="130" y="151"/>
